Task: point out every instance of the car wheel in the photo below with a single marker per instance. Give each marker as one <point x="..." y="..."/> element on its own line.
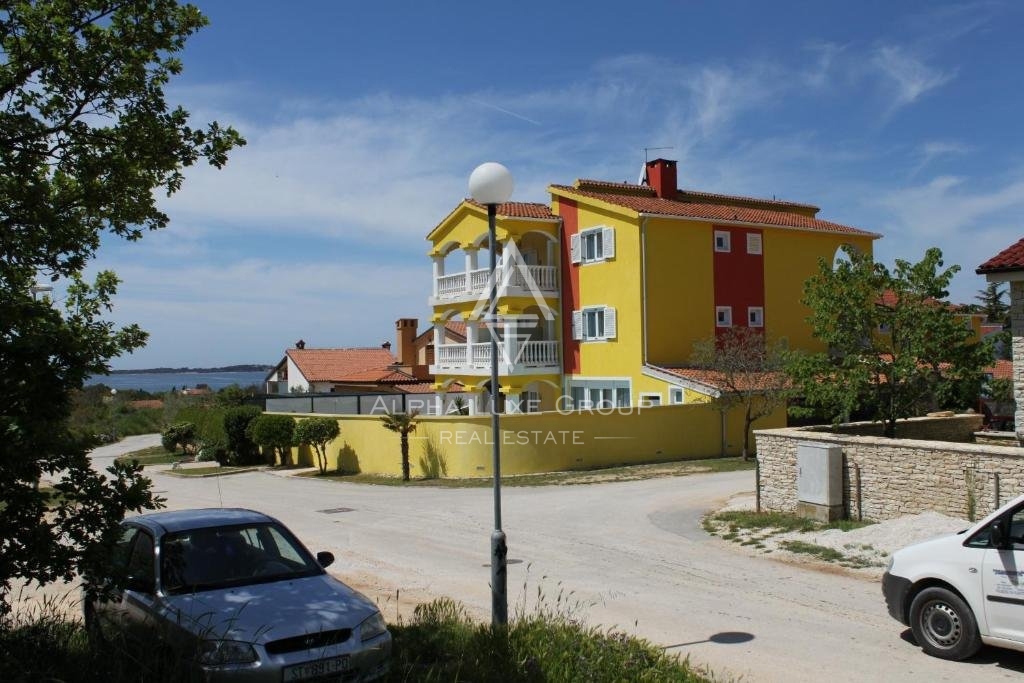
<point x="943" y="624"/>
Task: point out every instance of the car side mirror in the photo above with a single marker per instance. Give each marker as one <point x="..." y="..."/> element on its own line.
<point x="997" y="534"/>
<point x="140" y="584"/>
<point x="325" y="558"/>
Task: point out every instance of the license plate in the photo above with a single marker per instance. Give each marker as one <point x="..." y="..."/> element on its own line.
<point x="321" y="667"/>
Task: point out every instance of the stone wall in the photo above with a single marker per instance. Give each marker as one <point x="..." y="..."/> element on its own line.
<point x="956" y="428"/>
<point x="896" y="476"/>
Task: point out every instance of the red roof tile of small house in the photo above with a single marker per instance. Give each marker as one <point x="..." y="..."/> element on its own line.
<point x="456" y="328"/>
<point x="990" y="329"/>
<point x="428" y="388"/>
<point x="520" y="210"/>
<point x="1011" y="258"/>
<point x="1003" y="369"/>
<point x="642" y="199"/>
<point x="338" y="365"/>
<point x="748" y="381"/>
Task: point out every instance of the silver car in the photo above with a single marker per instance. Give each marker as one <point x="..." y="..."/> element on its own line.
<point x="232" y="595"/>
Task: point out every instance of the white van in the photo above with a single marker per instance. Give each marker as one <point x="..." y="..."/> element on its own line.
<point x="959" y="591"/>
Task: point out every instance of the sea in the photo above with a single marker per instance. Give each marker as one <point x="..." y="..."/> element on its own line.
<point x="159" y="382"/>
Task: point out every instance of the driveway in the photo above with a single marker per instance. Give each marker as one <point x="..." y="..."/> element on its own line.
<point x="629" y="554"/>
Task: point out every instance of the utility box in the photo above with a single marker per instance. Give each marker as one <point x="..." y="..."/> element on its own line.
<point x="819" y="481"/>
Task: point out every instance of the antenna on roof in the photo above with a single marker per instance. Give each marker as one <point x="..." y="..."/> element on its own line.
<point x="643" y="171"/>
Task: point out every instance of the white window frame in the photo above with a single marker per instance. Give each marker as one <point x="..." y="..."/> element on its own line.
<point x="649" y="399"/>
<point x="603" y="240"/>
<point x="608" y="323"/>
<point x="755" y="316"/>
<point x="754" y="243"/>
<point x="726" y="241"/>
<point x="676" y="396"/>
<point x="727" y="310"/>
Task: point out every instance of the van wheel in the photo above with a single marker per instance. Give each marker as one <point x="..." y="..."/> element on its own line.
<point x="943" y="624"/>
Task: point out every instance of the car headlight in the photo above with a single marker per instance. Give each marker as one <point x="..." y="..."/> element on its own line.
<point x="223" y="652"/>
<point x="372" y="627"/>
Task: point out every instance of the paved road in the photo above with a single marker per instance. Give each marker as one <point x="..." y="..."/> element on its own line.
<point x="630" y="554"/>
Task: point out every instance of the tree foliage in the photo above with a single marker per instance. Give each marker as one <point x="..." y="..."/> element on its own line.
<point x="241" y="449"/>
<point x="895" y="347"/>
<point x="276" y="432"/>
<point x="404" y="424"/>
<point x="993" y="305"/>
<point x="317" y="432"/>
<point x="749" y="371"/>
<point x="179" y="435"/>
<point x="87" y="143"/>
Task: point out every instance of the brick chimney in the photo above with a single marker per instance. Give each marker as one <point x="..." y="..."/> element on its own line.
<point x="661" y="177"/>
<point x="405" y="331"/>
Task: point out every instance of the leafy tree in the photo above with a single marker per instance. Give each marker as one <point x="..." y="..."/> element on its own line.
<point x="996" y="310"/>
<point x="895" y="346"/>
<point x="232" y="395"/>
<point x="181" y="435"/>
<point x="240" y="447"/>
<point x="317" y="432"/>
<point x="87" y="145"/>
<point x="404" y="424"/>
<point x="275" y="432"/>
<point x="749" y="371"/>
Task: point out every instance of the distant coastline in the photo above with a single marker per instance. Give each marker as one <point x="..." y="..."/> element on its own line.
<point x="181" y="371"/>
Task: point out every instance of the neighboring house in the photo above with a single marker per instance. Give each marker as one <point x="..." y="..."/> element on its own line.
<point x="604" y="293"/>
<point x="1008" y="266"/>
<point x="373" y="370"/>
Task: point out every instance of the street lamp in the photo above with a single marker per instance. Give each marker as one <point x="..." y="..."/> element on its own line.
<point x="113" y="415"/>
<point x="491" y="184"/>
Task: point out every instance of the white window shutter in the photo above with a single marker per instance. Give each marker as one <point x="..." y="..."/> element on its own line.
<point x="608" y="237"/>
<point x="609" y="323"/>
<point x="577" y="325"/>
<point x="575" y="248"/>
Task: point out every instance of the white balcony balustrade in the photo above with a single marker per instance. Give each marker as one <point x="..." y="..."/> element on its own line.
<point x="515" y="357"/>
<point x="474" y="283"/>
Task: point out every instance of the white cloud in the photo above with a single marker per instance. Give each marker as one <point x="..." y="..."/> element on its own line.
<point x="909" y="76"/>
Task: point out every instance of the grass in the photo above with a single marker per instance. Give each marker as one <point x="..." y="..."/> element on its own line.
<point x="443" y="644"/>
<point x="578" y="477"/>
<point x="440" y="644"/>
<point x="754" y="529"/>
<point x="213" y="471"/>
<point x="154" y="455"/>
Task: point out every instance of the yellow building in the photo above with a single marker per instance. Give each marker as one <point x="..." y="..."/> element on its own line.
<point x="604" y="293"/>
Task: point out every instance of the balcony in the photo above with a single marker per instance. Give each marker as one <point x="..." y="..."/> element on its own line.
<point x="516" y="358"/>
<point x="472" y="284"/>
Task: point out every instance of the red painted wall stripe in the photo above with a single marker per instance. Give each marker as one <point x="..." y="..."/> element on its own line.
<point x="570" y="285"/>
<point x="739" y="276"/>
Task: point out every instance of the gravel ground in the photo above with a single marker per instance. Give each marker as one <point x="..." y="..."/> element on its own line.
<point x="867" y="548"/>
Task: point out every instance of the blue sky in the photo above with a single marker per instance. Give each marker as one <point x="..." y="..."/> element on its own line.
<point x="365" y="119"/>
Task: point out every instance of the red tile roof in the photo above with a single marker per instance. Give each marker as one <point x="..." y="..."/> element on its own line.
<point x="428" y="388"/>
<point x="521" y="210"/>
<point x="1011" y="258"/>
<point x="990" y="329"/>
<point x="456" y="328"/>
<point x="338" y="365"/>
<point x="1003" y="369"/>
<point x="749" y="381"/>
<point x="699" y="205"/>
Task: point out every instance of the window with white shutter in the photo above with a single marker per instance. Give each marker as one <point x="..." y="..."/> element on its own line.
<point x="610" y="324"/>
<point x="574" y="242"/>
<point x="609" y="243"/>
<point x="577" y="325"/>
<point x="753" y="243"/>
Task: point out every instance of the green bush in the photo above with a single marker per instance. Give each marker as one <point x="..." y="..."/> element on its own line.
<point x="181" y="435"/>
<point x="317" y="432"/>
<point x="211" y="438"/>
<point x="275" y="432"/>
<point x="433" y="463"/>
<point x="443" y="644"/>
<point x="241" y="449"/>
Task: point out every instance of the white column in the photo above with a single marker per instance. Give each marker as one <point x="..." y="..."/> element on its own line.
<point x="471" y="255"/>
<point x="441" y="402"/>
<point x="512" y="399"/>
<point x="438" y="270"/>
<point x="550" y="261"/>
<point x="470" y="340"/>
<point x="510" y="345"/>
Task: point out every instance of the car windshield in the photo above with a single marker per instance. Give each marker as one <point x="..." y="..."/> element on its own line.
<point x="225" y="557"/>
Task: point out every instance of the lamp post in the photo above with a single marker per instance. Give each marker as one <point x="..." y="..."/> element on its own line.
<point x="113" y="415"/>
<point x="491" y="184"/>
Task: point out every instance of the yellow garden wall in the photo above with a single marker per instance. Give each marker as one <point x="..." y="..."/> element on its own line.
<point x="542" y="442"/>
